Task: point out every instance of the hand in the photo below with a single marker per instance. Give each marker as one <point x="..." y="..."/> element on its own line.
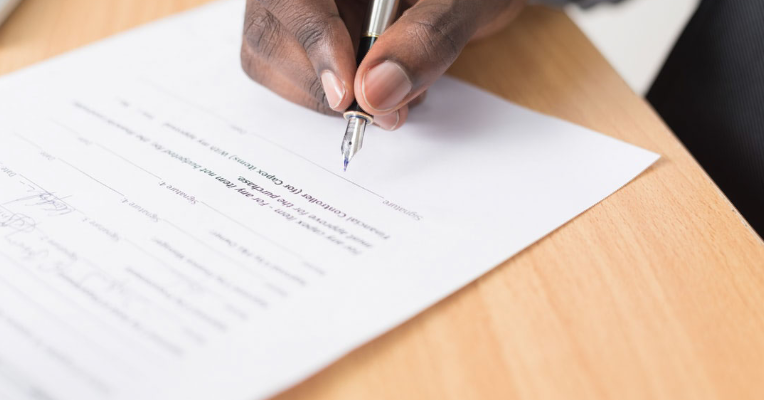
<point x="303" y="50"/>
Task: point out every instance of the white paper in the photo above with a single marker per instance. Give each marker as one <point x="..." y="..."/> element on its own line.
<point x="171" y="230"/>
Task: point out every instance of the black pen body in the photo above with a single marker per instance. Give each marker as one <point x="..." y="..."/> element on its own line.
<point x="363" y="49"/>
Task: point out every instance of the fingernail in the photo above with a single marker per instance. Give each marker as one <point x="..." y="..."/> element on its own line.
<point x="385" y="86"/>
<point x="333" y="87"/>
<point x="388" y="122"/>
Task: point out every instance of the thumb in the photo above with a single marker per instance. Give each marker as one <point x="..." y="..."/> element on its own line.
<point x="416" y="50"/>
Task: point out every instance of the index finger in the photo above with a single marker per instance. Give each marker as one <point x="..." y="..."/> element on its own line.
<point x="319" y="29"/>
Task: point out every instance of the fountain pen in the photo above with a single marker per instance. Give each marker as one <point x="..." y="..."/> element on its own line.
<point x="379" y="16"/>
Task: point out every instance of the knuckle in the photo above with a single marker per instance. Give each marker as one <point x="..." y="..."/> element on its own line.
<point x="308" y="35"/>
<point x="249" y="65"/>
<point x="437" y="33"/>
<point x="436" y="43"/>
<point x="262" y="32"/>
<point x="273" y="4"/>
<point x="311" y="30"/>
<point x="315" y="89"/>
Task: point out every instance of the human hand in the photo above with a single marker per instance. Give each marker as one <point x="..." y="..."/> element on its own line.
<point x="303" y="50"/>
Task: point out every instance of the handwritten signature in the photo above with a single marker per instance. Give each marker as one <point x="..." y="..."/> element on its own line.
<point x="16" y="222"/>
<point x="46" y="201"/>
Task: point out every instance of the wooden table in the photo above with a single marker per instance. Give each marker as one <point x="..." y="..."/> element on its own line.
<point x="656" y="293"/>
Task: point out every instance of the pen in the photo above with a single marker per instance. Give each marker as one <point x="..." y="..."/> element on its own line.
<point x="6" y="6"/>
<point x="379" y="16"/>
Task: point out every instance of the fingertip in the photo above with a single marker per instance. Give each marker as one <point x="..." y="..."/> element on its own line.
<point x="394" y="120"/>
<point x="348" y="100"/>
<point x="323" y="35"/>
<point x="418" y="100"/>
<point x="382" y="88"/>
<point x="334" y="89"/>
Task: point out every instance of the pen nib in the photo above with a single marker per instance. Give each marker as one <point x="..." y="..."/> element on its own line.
<point x="353" y="140"/>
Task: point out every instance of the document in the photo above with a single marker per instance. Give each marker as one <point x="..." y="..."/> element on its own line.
<point x="171" y="230"/>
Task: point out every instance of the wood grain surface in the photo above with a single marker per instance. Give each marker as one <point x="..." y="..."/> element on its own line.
<point x="656" y="293"/>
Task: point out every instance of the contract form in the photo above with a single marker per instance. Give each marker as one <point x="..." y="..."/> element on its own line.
<point x="171" y="230"/>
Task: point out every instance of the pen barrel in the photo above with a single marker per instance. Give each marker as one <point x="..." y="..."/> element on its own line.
<point x="379" y="16"/>
<point x="363" y="48"/>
